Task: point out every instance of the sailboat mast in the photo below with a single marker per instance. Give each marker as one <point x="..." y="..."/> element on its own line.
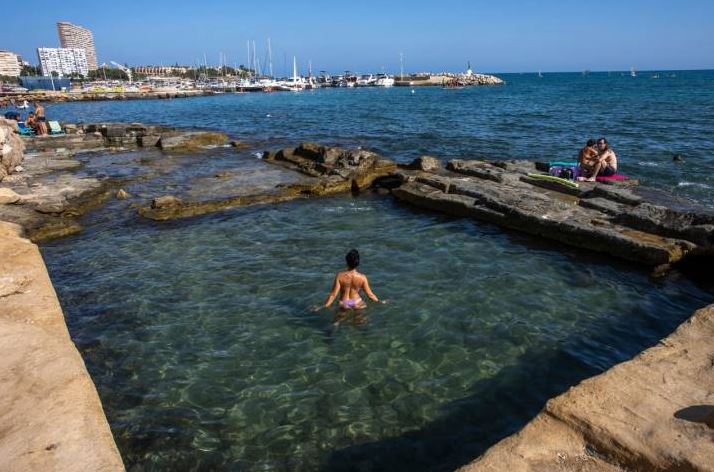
<point x="270" y="58"/>
<point x="255" y="60"/>
<point x="250" y="60"/>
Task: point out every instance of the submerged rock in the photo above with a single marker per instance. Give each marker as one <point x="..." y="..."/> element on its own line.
<point x="191" y="141"/>
<point x="168" y="201"/>
<point x="122" y="194"/>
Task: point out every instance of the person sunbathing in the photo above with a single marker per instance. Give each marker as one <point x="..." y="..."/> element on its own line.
<point x="31" y="122"/>
<point x="349" y="283"/>
<point x="603" y="164"/>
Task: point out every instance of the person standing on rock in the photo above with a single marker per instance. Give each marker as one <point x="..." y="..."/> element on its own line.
<point x="350" y="282"/>
<point x="41" y="119"/>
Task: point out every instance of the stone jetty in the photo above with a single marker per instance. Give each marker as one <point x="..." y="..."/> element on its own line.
<point x="46" y="96"/>
<point x="440" y="80"/>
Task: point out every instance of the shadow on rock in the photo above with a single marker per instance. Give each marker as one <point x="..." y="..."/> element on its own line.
<point x="697" y="414"/>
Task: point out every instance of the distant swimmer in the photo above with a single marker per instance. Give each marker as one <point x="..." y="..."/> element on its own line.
<point x="348" y="285"/>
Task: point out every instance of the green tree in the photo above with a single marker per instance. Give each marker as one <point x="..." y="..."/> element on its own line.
<point x="30" y="70"/>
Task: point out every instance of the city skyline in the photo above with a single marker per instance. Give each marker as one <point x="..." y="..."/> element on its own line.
<point x="552" y="36"/>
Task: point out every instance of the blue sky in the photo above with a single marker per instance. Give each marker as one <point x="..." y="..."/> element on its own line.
<point x="496" y="36"/>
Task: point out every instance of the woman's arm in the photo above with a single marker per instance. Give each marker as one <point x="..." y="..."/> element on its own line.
<point x="333" y="294"/>
<point x="369" y="291"/>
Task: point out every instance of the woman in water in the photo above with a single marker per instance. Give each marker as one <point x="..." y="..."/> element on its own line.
<point x="349" y="283"/>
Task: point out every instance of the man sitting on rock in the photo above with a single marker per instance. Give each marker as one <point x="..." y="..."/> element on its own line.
<point x="603" y="163"/>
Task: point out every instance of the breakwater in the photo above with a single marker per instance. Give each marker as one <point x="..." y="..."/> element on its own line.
<point x="47" y="96"/>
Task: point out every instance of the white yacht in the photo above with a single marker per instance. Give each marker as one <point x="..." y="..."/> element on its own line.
<point x="367" y="80"/>
<point x="383" y="80"/>
<point x="294" y="83"/>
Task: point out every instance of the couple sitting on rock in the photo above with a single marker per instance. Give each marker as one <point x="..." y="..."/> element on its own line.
<point x="597" y="159"/>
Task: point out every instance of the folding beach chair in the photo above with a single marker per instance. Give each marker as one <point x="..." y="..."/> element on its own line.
<point x="24" y="130"/>
<point x="55" y="127"/>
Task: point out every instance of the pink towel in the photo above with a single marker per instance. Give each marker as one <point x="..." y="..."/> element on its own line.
<point x="602" y="178"/>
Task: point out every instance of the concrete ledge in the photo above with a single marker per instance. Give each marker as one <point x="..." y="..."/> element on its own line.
<point x="51" y="418"/>
<point x="653" y="413"/>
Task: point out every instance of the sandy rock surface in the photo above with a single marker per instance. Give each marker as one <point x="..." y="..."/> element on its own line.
<point x="51" y="418"/>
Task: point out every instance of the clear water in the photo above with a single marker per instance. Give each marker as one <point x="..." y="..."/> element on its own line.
<point x="199" y="334"/>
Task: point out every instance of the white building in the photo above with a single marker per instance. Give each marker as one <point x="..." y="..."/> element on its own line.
<point x="9" y="64"/>
<point x="77" y="37"/>
<point x="64" y="61"/>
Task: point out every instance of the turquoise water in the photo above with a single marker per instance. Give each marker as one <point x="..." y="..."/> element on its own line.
<point x="199" y="334"/>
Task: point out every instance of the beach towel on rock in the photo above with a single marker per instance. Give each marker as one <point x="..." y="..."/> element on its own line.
<point x="612" y="178"/>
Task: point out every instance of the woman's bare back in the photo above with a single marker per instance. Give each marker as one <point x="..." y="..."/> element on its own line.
<point x="351" y="282"/>
<point x="348" y="285"/>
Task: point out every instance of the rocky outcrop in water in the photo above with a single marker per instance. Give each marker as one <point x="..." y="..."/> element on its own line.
<point x="326" y="170"/>
<point x="619" y="219"/>
<point x="11" y="148"/>
<point x="97" y="136"/>
<point x="48" y="196"/>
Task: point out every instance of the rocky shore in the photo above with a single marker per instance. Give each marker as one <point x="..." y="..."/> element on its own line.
<point x="44" y="190"/>
<point x="618" y="421"/>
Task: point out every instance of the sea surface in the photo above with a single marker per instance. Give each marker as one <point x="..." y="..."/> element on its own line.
<point x="200" y="333"/>
<point x="647" y="121"/>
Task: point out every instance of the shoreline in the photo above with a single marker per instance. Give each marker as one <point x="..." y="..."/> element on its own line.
<point x="321" y="170"/>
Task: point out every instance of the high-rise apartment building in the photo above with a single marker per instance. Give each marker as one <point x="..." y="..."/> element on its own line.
<point x="75" y="37"/>
<point x="64" y="61"/>
<point x="9" y="64"/>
